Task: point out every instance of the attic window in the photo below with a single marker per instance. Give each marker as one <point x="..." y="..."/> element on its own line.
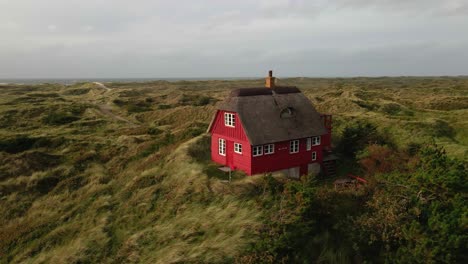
<point x="288" y="112"/>
<point x="229" y="119"/>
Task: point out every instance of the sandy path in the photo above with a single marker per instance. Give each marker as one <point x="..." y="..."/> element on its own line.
<point x="102" y="86"/>
<point x="106" y="109"/>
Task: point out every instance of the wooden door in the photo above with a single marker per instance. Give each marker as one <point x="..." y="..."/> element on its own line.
<point x="230" y="154"/>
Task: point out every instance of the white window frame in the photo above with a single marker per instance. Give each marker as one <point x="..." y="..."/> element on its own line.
<point x="316" y="141"/>
<point x="222" y="147"/>
<point x="269" y="149"/>
<point x="294" y="146"/>
<point x="229" y="119"/>
<point x="258" y="150"/>
<point x="309" y="144"/>
<point x="314" y="155"/>
<point x="238" y="148"/>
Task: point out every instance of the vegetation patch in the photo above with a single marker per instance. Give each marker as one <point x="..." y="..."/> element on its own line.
<point x="196" y="100"/>
<point x="59" y="118"/>
<point x="18" y="144"/>
<point x="391" y="108"/>
<point x="134" y="106"/>
<point x="105" y="192"/>
<point x="26" y="163"/>
<point x="366" y="105"/>
<point x="76" y="92"/>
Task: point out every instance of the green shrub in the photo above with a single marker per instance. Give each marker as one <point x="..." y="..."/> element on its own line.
<point x="164" y="106"/>
<point x="46" y="184"/>
<point x="367" y="105"/>
<point x="391" y="108"/>
<point x="138" y="107"/>
<point x="59" y="118"/>
<point x="154" y="131"/>
<point x="119" y="102"/>
<point x="443" y="129"/>
<point x="195" y="100"/>
<point x="195" y="129"/>
<point x="79" y="91"/>
<point x="204" y="100"/>
<point x="21" y="143"/>
<point x="77" y="109"/>
<point x="356" y="136"/>
<point x="200" y="151"/>
<point x="18" y="144"/>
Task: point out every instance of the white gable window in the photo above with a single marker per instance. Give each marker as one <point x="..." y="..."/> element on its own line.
<point x="238" y="148"/>
<point x="314" y="155"/>
<point x="257" y="151"/>
<point x="316" y="141"/>
<point x="229" y="119"/>
<point x="222" y="147"/>
<point x="294" y="146"/>
<point x="269" y="149"/>
<point x="309" y="144"/>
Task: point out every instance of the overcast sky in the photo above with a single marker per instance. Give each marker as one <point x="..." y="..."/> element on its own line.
<point x="232" y="38"/>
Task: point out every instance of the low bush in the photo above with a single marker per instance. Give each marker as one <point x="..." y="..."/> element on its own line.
<point x="138" y="107"/>
<point x="17" y="144"/>
<point x="119" y="102"/>
<point x="195" y="100"/>
<point x="59" y="118"/>
<point x="154" y="131"/>
<point x="192" y="132"/>
<point x="79" y="91"/>
<point x="163" y="106"/>
<point x="367" y="105"/>
<point x="443" y="129"/>
<point x="200" y="151"/>
<point x="356" y="136"/>
<point x="391" y="108"/>
<point x="22" y="143"/>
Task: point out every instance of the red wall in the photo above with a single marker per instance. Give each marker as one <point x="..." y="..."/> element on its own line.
<point x="282" y="159"/>
<point x="231" y="135"/>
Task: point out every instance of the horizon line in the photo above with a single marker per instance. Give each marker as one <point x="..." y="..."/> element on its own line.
<point x="227" y="77"/>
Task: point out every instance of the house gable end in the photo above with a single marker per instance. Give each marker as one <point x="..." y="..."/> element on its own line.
<point x="218" y="127"/>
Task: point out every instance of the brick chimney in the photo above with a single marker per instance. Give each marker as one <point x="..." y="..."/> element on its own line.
<point x="270" y="80"/>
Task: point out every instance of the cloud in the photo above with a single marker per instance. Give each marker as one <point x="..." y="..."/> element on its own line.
<point x="93" y="38"/>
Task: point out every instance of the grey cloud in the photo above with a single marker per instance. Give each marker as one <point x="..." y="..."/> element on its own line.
<point x="104" y="38"/>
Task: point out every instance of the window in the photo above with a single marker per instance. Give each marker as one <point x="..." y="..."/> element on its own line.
<point x="238" y="148"/>
<point x="287" y="112"/>
<point x="269" y="149"/>
<point x="257" y="151"/>
<point x="309" y="144"/>
<point x="314" y="155"/>
<point x="294" y="146"/>
<point x="222" y="147"/>
<point x="229" y="119"/>
<point x="315" y="141"/>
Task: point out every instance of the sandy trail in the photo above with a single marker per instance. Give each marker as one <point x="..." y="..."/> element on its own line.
<point x="106" y="109"/>
<point x="103" y="86"/>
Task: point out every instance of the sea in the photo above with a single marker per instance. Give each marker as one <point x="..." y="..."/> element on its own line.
<point x="71" y="81"/>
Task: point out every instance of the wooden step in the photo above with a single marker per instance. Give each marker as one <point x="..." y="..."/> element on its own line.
<point x="329" y="167"/>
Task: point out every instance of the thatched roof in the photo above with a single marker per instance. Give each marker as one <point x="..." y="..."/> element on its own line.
<point x="274" y="115"/>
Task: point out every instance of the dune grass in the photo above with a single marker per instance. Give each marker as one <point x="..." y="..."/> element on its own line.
<point x="123" y="175"/>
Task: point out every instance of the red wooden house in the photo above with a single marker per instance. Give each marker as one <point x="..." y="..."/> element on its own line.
<point x="259" y="130"/>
